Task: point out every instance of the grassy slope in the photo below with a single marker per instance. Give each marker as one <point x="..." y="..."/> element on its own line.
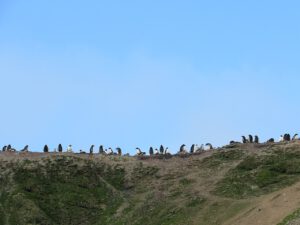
<point x="202" y="189"/>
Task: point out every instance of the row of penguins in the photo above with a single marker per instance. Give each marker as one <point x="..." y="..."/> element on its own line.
<point x="161" y="151"/>
<point x="282" y="138"/>
<point x="157" y="151"/>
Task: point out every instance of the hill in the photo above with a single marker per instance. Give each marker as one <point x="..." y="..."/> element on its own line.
<point x="237" y="184"/>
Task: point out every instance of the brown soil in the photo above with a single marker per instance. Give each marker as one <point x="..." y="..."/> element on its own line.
<point x="270" y="209"/>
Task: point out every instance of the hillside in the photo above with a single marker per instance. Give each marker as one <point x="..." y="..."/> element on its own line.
<point x="237" y="184"/>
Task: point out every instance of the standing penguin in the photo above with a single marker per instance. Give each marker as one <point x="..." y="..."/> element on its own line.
<point x="182" y="148"/>
<point x="192" y="150"/>
<point x="8" y="148"/>
<point x="244" y="140"/>
<point x="288" y="137"/>
<point x="151" y="151"/>
<point x="209" y="145"/>
<point x="101" y="149"/>
<point x="119" y="150"/>
<point x="110" y="151"/>
<point x="295" y="137"/>
<point x="250" y="138"/>
<point x="69" y="149"/>
<point x="161" y="149"/>
<point x="281" y="138"/>
<point x="60" y="148"/>
<point x="256" y="139"/>
<point x="46" y="149"/>
<point x="4" y="148"/>
<point x="92" y="149"/>
<point x="138" y="151"/>
<point x="167" y="152"/>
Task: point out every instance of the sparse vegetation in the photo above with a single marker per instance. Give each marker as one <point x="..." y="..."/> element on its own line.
<point x="261" y="174"/>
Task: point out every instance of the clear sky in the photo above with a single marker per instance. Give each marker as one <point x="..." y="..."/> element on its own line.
<point x="140" y="73"/>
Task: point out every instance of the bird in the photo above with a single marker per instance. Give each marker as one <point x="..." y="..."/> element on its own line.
<point x="60" y="148"/>
<point x="4" y="148"/>
<point x="151" y="152"/>
<point x="92" y="149"/>
<point x="281" y="138"/>
<point x="250" y="138"/>
<point x="25" y="149"/>
<point x="101" y="149"/>
<point x="119" y="150"/>
<point x="46" y="149"/>
<point x="167" y="152"/>
<point x="244" y="140"/>
<point x="192" y="150"/>
<point x="139" y="152"/>
<point x="69" y="149"/>
<point x="256" y="139"/>
<point x="295" y="137"/>
<point x="209" y="145"/>
<point x="161" y="149"/>
<point x="110" y="151"/>
<point x="182" y="148"/>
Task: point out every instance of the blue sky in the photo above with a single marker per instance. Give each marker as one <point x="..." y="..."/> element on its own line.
<point x="140" y="73"/>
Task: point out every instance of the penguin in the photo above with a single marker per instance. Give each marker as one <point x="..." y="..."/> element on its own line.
<point x="92" y="149"/>
<point x="60" y="148"/>
<point x="271" y="140"/>
<point x="8" y="148"/>
<point x="101" y="149"/>
<point x="156" y="152"/>
<point x="46" y="149"/>
<point x="200" y="149"/>
<point x="182" y="148"/>
<point x="69" y="149"/>
<point x="209" y="145"/>
<point x="167" y="151"/>
<point x="250" y="138"/>
<point x="288" y="137"/>
<point x="281" y="138"/>
<point x="82" y="152"/>
<point x="138" y="151"/>
<point x="256" y="139"/>
<point x="161" y="149"/>
<point x="4" y="148"/>
<point x="110" y="151"/>
<point x="244" y="140"/>
<point x="151" y="152"/>
<point x="192" y="150"/>
<point x="119" y="150"/>
<point x="25" y="149"/>
<point x="295" y="137"/>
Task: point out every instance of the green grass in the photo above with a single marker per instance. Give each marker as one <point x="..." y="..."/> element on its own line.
<point x="222" y="157"/>
<point x="63" y="194"/>
<point x="258" y="175"/>
<point x="295" y="215"/>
